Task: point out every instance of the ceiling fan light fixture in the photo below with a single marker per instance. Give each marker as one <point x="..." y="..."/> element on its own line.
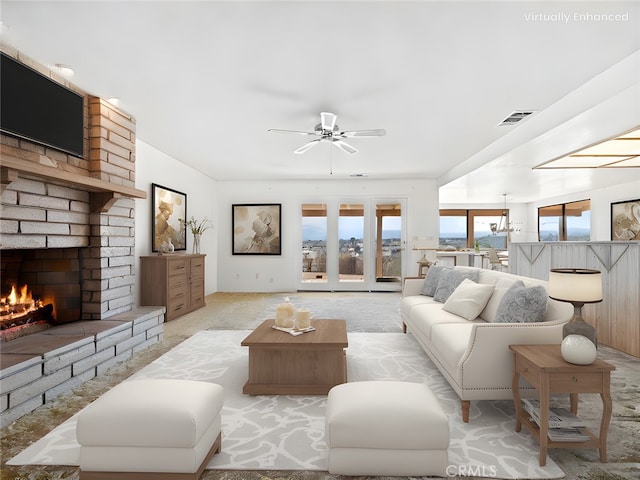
<point x="328" y="130"/>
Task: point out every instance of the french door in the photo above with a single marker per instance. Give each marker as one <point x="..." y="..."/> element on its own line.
<point x="352" y="244"/>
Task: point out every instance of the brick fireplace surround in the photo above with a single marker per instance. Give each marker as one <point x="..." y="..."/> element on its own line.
<point x="74" y="219"/>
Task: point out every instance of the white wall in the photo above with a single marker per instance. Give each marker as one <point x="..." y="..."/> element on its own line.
<point x="153" y="166"/>
<point x="250" y="273"/>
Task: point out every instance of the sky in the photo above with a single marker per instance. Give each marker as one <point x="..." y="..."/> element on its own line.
<point x="315" y="228"/>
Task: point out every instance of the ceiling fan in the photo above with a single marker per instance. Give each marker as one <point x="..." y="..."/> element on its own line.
<point x="328" y="130"/>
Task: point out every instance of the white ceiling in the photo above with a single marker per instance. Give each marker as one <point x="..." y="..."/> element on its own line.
<point x="206" y="79"/>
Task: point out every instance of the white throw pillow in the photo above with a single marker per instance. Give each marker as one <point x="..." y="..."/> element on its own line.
<point x="468" y="299"/>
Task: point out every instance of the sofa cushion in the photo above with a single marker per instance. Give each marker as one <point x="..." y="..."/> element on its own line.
<point x="468" y="299"/>
<point x="449" y="281"/>
<point x="431" y="279"/>
<point x="522" y="304"/>
<point x="500" y="288"/>
<point x="407" y="303"/>
<point x="424" y="317"/>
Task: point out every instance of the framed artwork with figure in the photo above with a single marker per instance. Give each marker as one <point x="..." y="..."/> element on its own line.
<point x="169" y="207"/>
<point x="256" y="229"/>
<point x="625" y="220"/>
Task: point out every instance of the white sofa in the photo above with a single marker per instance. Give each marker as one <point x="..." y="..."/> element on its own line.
<point x="473" y="355"/>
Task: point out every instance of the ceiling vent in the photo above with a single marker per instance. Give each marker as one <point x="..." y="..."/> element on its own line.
<point x="515" y="117"/>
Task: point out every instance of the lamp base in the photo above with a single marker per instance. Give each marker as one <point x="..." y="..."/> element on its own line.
<point x="577" y="326"/>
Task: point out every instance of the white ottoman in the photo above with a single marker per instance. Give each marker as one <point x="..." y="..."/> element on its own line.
<point x="170" y="428"/>
<point x="386" y="428"/>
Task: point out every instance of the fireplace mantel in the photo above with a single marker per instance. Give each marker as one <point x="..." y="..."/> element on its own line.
<point x="103" y="193"/>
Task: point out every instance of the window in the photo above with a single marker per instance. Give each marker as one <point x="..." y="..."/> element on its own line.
<point x="565" y="222"/>
<point x="453" y="228"/>
<point x="463" y="228"/>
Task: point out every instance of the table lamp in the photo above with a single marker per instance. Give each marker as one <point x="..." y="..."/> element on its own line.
<point x="576" y="286"/>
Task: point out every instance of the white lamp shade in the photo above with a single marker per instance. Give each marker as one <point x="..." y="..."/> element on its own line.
<point x="575" y="285"/>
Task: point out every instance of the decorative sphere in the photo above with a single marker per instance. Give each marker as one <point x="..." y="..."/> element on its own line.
<point x="578" y="349"/>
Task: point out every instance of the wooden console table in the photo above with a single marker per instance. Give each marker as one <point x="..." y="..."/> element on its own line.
<point x="545" y="369"/>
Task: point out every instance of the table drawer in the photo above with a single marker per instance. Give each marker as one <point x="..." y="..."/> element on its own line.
<point x="197" y="267"/>
<point x="177" y="266"/>
<point x="178" y="294"/>
<point x="177" y="282"/>
<point x="576" y="382"/>
<point x="177" y="307"/>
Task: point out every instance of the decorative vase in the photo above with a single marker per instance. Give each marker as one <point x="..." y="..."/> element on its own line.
<point x="196" y="243"/>
<point x="577" y="326"/>
<point x="578" y="349"/>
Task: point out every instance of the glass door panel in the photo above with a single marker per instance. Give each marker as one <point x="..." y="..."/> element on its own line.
<point x="314" y="243"/>
<point x="351" y="243"/>
<point x="388" y="236"/>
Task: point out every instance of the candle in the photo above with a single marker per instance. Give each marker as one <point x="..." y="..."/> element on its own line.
<point x="303" y="319"/>
<point x="285" y="314"/>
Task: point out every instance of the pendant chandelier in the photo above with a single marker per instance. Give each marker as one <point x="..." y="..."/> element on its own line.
<point x="505" y="225"/>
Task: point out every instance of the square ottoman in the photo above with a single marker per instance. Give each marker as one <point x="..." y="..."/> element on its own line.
<point x="150" y="429"/>
<point x="386" y="428"/>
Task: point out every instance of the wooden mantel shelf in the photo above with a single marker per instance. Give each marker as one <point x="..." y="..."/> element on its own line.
<point x="104" y="193"/>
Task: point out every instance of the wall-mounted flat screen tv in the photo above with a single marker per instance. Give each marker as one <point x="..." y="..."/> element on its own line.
<point x="39" y="109"/>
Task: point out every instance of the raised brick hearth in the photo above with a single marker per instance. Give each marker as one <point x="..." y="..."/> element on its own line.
<point x="69" y="221"/>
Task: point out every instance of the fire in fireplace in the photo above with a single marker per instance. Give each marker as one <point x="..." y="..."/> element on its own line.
<point x="20" y="312"/>
<point x="39" y="288"/>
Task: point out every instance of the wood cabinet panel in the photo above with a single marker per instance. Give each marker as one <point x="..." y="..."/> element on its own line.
<point x="175" y="281"/>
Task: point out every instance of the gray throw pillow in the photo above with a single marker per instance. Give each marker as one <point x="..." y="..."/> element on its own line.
<point x="431" y="279"/>
<point x="449" y="281"/>
<point x="522" y="304"/>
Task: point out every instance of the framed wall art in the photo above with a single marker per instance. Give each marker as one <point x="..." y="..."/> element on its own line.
<point x="256" y="229"/>
<point x="168" y="208"/>
<point x="625" y="220"/>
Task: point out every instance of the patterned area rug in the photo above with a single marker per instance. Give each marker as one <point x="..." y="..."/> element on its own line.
<point x="287" y="432"/>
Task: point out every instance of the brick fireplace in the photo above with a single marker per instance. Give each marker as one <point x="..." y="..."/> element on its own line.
<point x="67" y="228"/>
<point x="52" y="200"/>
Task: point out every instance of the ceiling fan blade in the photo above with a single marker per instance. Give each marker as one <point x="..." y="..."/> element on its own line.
<point x="276" y="130"/>
<point x="307" y="146"/>
<point x="378" y="132"/>
<point x="328" y="121"/>
<point x="345" y="147"/>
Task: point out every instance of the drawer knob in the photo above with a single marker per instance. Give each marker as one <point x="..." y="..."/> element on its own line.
<point x="574" y="379"/>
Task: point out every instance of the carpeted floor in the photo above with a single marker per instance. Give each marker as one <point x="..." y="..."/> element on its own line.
<point x="374" y="312"/>
<point x="286" y="432"/>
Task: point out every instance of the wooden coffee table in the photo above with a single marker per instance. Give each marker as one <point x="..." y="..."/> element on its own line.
<point x="307" y="364"/>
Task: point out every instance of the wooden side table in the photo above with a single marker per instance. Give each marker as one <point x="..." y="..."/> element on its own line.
<point x="545" y="369"/>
